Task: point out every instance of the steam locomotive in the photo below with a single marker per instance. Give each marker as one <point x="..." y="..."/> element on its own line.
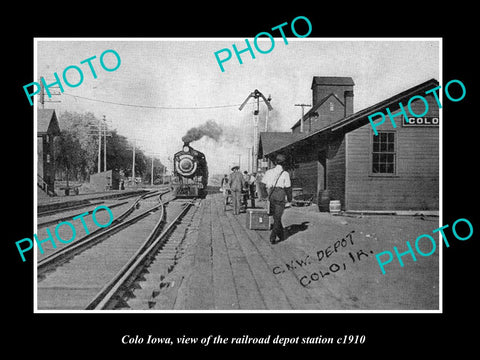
<point x="190" y="173"/>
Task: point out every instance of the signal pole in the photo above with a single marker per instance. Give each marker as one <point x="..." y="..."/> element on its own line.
<point x="256" y="95"/>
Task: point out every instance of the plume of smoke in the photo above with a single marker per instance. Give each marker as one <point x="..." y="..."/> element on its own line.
<point x="210" y="129"/>
<point x="232" y="135"/>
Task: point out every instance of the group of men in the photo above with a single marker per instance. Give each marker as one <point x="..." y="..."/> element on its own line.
<point x="239" y="187"/>
<point x="275" y="187"/>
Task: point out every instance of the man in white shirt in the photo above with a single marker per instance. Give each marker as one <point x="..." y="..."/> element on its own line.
<point x="279" y="187"/>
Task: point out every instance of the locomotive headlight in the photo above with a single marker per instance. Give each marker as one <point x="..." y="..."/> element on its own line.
<point x="186" y="149"/>
<point x="186" y="165"/>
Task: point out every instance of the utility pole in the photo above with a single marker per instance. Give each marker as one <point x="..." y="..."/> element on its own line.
<point x="151" y="175"/>
<point x="42" y="93"/>
<point x="99" y="146"/>
<point x="303" y="114"/>
<point x="133" y="161"/>
<point x="104" y="144"/>
<point x="96" y="130"/>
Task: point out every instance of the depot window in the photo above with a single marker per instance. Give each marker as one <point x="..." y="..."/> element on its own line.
<point x="384" y="153"/>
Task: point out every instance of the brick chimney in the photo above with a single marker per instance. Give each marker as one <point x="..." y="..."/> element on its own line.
<point x="348" y="101"/>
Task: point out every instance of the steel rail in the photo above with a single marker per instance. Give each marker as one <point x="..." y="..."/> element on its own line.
<point x="54" y="221"/>
<point x="86" y="202"/>
<point x="59" y="257"/>
<point x="109" y="295"/>
<point x="68" y="208"/>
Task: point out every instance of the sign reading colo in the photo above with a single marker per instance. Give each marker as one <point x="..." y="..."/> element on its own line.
<point x="413" y="117"/>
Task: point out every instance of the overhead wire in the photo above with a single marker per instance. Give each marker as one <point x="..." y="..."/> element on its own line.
<point x="154" y="107"/>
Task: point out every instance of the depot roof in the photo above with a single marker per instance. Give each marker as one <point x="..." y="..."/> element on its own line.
<point x="271" y="141"/>
<point x="351" y="122"/>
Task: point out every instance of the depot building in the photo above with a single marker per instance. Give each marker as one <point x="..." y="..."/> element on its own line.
<point x="334" y="153"/>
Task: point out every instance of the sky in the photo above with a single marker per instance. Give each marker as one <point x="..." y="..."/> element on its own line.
<point x="164" y="86"/>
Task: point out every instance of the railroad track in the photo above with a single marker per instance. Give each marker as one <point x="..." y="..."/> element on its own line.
<point x="54" y="258"/>
<point x="69" y="214"/>
<point x="161" y="252"/>
<point x="78" y="203"/>
<point x="83" y="275"/>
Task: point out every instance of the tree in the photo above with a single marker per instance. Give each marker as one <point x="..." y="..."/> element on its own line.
<point x="85" y="151"/>
<point x="119" y="153"/>
<point x="69" y="153"/>
<point x="77" y="149"/>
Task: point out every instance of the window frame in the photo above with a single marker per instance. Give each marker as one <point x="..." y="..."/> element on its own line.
<point x="394" y="153"/>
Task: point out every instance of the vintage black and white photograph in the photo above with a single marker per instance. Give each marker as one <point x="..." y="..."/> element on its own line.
<point x="234" y="175"/>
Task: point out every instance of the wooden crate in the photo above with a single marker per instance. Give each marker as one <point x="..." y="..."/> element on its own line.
<point x="258" y="219"/>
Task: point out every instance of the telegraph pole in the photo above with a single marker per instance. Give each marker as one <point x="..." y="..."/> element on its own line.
<point x="101" y="127"/>
<point x="151" y="176"/>
<point x="134" y="145"/>
<point x="42" y="93"/>
<point x="99" y="146"/>
<point x="303" y="114"/>
<point x="133" y="161"/>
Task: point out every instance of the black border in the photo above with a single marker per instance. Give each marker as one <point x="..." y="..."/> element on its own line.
<point x="387" y="334"/>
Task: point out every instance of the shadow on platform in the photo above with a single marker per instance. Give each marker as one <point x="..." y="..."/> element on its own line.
<point x="295" y="228"/>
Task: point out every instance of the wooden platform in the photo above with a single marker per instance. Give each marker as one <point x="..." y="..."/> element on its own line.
<point x="319" y="266"/>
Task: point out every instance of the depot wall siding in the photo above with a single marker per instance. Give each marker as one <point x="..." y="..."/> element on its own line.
<point x="415" y="184"/>
<point x="336" y="169"/>
<point x="305" y="176"/>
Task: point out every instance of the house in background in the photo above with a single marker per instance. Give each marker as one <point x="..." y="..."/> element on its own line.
<point x="47" y="129"/>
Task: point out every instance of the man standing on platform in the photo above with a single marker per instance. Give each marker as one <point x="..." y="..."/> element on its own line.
<point x="252" y="188"/>
<point x="277" y="182"/>
<point x="236" y="185"/>
<point x="225" y="188"/>
<point x="246" y="188"/>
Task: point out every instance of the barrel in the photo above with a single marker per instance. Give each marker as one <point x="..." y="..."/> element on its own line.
<point x="323" y="200"/>
<point x="335" y="207"/>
